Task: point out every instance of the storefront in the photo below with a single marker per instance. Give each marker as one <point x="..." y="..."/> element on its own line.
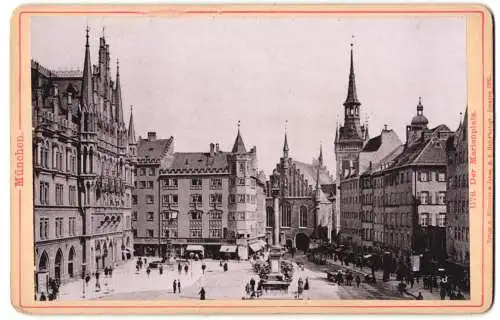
<point x="257" y="246"/>
<point x="228" y="251"/>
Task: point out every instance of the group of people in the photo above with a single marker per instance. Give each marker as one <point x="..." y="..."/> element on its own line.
<point x="301" y="287"/>
<point x="53" y="291"/>
<point x="176" y="285"/>
<point x="252" y="291"/>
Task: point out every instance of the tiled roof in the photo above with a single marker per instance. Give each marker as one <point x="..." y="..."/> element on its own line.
<point x="67" y="73"/>
<point x="348" y="133"/>
<point x="239" y="146"/>
<point x="386" y="160"/>
<point x="199" y="160"/>
<point x="154" y="149"/>
<point x="310" y="172"/>
<point x="426" y="151"/>
<point x="373" y="144"/>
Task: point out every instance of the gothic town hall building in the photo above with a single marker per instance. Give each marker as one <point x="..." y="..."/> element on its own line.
<point x="82" y="170"/>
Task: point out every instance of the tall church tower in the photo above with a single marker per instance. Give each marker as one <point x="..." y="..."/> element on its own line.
<point x="349" y="138"/>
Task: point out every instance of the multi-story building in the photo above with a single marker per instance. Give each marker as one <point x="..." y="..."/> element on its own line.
<point x="376" y="174"/>
<point x="414" y="192"/>
<point x="457" y="196"/>
<point x="305" y="202"/>
<point x="152" y="154"/>
<point x="211" y="202"/>
<point x="349" y="139"/>
<point x="356" y="191"/>
<point x="82" y="169"/>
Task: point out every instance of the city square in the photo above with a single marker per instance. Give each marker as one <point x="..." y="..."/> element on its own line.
<point x="191" y="211"/>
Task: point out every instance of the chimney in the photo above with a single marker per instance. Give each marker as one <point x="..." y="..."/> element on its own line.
<point x="212" y="146"/>
<point x="151" y="136"/>
<point x="216" y="148"/>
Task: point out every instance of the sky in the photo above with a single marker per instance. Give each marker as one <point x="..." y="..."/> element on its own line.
<point x="193" y="78"/>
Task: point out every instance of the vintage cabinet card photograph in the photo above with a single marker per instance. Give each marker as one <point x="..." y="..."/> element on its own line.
<point x="252" y="159"/>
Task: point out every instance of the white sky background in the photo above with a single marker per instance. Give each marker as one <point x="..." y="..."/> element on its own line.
<point x="195" y="77"/>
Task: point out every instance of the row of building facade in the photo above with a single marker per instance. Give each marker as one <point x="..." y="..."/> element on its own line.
<point x="404" y="198"/>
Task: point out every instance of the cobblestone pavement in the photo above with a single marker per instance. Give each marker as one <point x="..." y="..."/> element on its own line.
<point x="220" y="285"/>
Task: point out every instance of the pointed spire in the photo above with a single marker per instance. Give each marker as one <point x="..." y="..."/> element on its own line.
<point x="337" y="128"/>
<point x="320" y="158"/>
<point x="239" y="145"/>
<point x="118" y="95"/>
<point x="352" y="97"/>
<point x="131" y="130"/>
<point x="320" y="164"/>
<point x="87" y="91"/>
<point x="285" y="144"/>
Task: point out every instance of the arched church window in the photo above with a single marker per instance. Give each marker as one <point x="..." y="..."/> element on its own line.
<point x="303" y="217"/>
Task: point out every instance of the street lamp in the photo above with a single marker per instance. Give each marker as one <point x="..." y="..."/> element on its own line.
<point x="83" y="281"/>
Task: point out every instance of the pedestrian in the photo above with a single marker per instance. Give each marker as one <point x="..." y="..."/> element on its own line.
<point x="420" y="297"/>
<point x="174" y="285"/>
<point x="110" y="272"/>
<point x="202" y="293"/>
<point x="442" y="293"/>
<point x="401" y="287"/>
<point x="252" y="284"/>
<point x="247" y="289"/>
<point x="145" y="261"/>
<point x="358" y="281"/>
<point x="453" y="296"/>
<point x="137" y="268"/>
<point x="225" y="266"/>
<point x="160" y="269"/>
<point x="349" y="279"/>
<point x="186" y="268"/>
<point x="148" y="271"/>
<point x="179" y="268"/>
<point x="97" y="284"/>
<point x="87" y="279"/>
<point x="43" y="297"/>
<point x="412" y="282"/>
<point x="306" y="284"/>
<point x="203" y="267"/>
<point x="300" y="288"/>
<point x="179" y="285"/>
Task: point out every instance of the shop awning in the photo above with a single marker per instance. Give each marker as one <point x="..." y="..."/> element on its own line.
<point x="227" y="249"/>
<point x="193" y="247"/>
<point x="257" y="245"/>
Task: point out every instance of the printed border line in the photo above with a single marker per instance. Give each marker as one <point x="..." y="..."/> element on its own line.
<point x="212" y="11"/>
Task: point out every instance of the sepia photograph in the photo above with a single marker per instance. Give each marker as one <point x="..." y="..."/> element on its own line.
<point x="250" y="158"/>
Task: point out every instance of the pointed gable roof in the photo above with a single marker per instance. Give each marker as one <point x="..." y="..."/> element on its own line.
<point x="239" y="145"/>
